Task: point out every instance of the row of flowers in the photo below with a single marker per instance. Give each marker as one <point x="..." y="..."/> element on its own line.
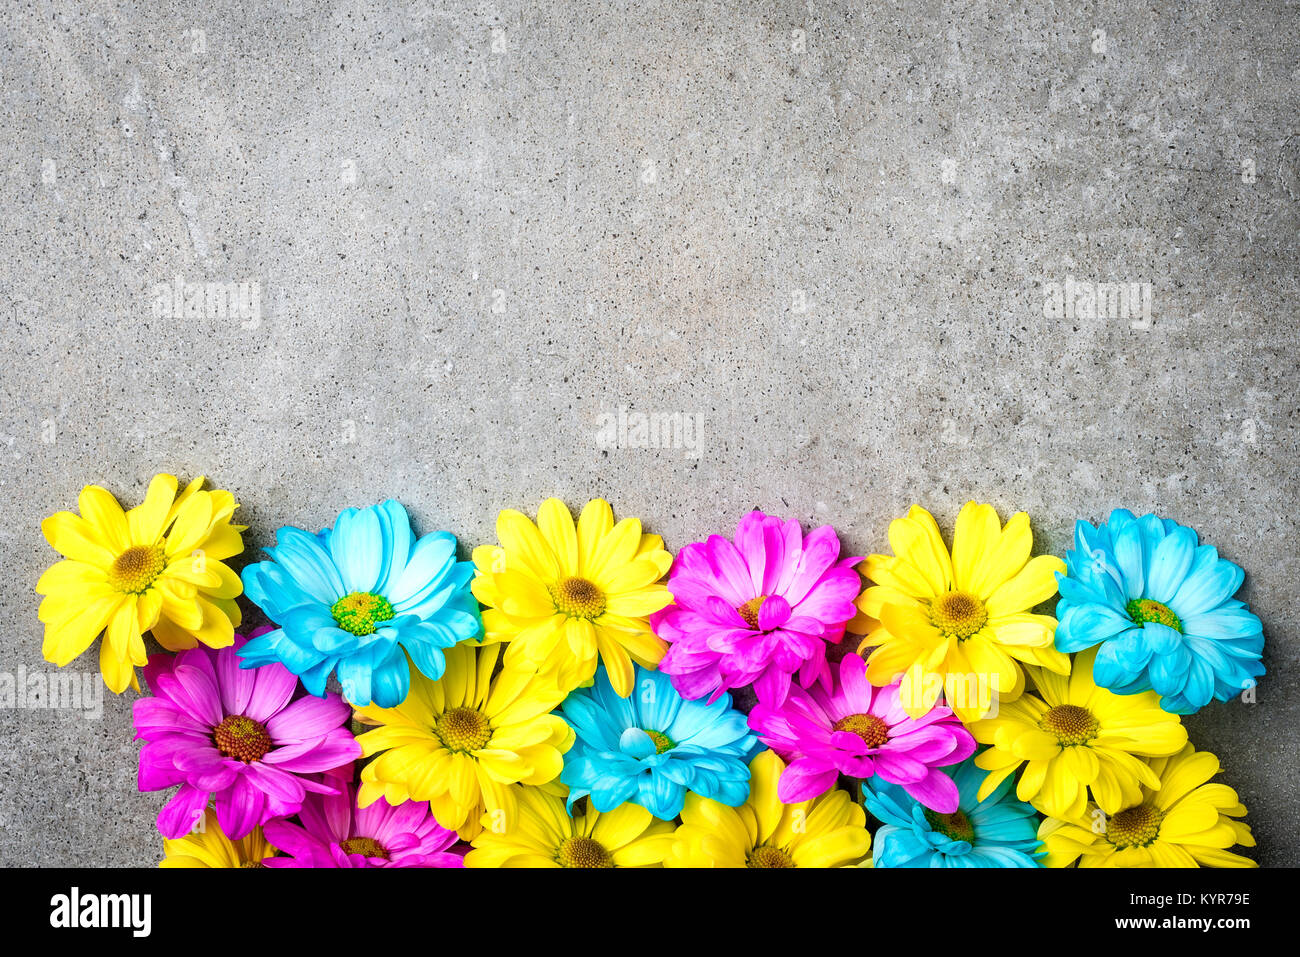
<point x="566" y="697"/>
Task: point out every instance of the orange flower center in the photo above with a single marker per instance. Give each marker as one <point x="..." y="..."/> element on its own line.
<point x="749" y="610"/>
<point x="137" y="568"/>
<point x="242" y="738"/>
<point x="578" y="598"/>
<point x="1071" y="724"/>
<point x="365" y="846"/>
<point x="463" y="729"/>
<point x="765" y="855"/>
<point x="1135" y="827"/>
<point x="583" y="852"/>
<point x="872" y="730"/>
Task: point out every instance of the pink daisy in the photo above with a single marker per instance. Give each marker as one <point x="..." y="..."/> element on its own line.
<point x="756" y="611"/>
<point x="334" y="832"/>
<point x="216" y="729"/>
<point x="860" y="731"/>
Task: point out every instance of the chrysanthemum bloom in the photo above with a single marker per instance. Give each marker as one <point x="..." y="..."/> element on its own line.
<point x="1161" y="610"/>
<point x="461" y="742"/>
<point x="1186" y="823"/>
<point x="758" y="610"/>
<point x="563" y="596"/>
<point x="545" y="835"/>
<point x="996" y="832"/>
<point x="214" y="728"/>
<point x="334" y="832"/>
<point x="959" y="624"/>
<point x="862" y="731"/>
<point x="208" y="846"/>
<point x="654" y="747"/>
<point x="360" y="598"/>
<point x="1075" y="738"/>
<point x="155" y="568"/>
<point x="828" y="831"/>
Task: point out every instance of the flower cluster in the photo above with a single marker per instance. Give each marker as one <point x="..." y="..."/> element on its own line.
<point x="572" y="695"/>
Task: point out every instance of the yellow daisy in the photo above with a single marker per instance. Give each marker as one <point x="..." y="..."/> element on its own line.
<point x="545" y="835"/>
<point x="209" y="847"/>
<point x="563" y="595"/>
<point x="157" y="568"/>
<point x="1187" y="822"/>
<point x="958" y="623"/>
<point x="1074" y="739"/>
<point x="460" y="742"/>
<point x="827" y="831"/>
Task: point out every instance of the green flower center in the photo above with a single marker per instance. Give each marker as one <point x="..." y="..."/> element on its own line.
<point x="765" y="855"/>
<point x="1070" y="724"/>
<point x="242" y="738"/>
<point x="577" y="598"/>
<point x="360" y="611"/>
<point x="958" y="614"/>
<point x="872" y="730"/>
<point x="662" y="741"/>
<point x="749" y="610"/>
<point x="365" y="846"/>
<point x="1135" y="827"/>
<point x="583" y="852"/>
<point x="137" y="568"/>
<point x="1142" y="610"/>
<point x="955" y="826"/>
<point x="463" y="729"/>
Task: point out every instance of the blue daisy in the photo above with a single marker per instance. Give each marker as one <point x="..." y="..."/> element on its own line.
<point x="999" y="831"/>
<point x="1161" y="608"/>
<point x="653" y="747"/>
<point x="358" y="599"/>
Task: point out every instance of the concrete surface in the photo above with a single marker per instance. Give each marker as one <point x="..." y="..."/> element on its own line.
<point x="823" y="233"/>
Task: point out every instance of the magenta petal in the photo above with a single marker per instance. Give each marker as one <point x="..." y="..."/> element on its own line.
<point x="773" y="613"/>
<point x="239" y="808"/>
<point x="183" y="813"/>
<point x="236" y="684"/>
<point x="337" y="748"/>
<point x="276" y="783"/>
<point x="936" y="791"/>
<point x="803" y="780"/>
<point x="275" y="686"/>
<point x="308" y="719"/>
<point x="855" y="687"/>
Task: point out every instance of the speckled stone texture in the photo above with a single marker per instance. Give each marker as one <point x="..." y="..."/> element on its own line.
<point x="485" y="238"/>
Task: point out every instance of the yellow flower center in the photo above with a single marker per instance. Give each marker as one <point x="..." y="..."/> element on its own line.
<point x="1070" y="724"/>
<point x="873" y="731"/>
<point x="578" y="598"/>
<point x="252" y="864"/>
<point x="749" y="610"/>
<point x="1142" y="610"/>
<point x="662" y="741"/>
<point x="955" y="826"/>
<point x="242" y="738"/>
<point x="958" y="614"/>
<point x="583" y="852"/>
<point x="765" y="855"/>
<point x="463" y="729"/>
<point x="365" y="846"/>
<point x="1136" y="827"/>
<point x="360" y="611"/>
<point x="137" y="568"/>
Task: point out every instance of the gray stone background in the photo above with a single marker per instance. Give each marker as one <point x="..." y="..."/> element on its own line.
<point x="821" y="230"/>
